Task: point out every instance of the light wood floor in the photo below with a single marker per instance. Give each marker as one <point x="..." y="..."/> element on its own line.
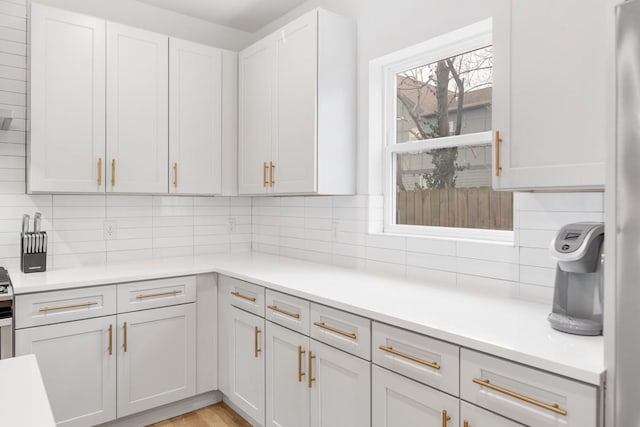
<point x="218" y="415"/>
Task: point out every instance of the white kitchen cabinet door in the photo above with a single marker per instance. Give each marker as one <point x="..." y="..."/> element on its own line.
<point x="78" y="365"/>
<point x="549" y="93"/>
<point x="294" y="134"/>
<point x="156" y="357"/>
<point x="67" y="137"/>
<point x="246" y="367"/>
<point x="472" y="416"/>
<point x="256" y="71"/>
<point x="195" y="114"/>
<point x="137" y="110"/>
<point x="398" y="401"/>
<point x="287" y="382"/>
<point x="341" y="388"/>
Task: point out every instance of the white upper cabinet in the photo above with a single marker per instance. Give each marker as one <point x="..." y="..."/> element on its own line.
<point x="297" y="109"/>
<point x="67" y="138"/>
<point x="549" y="93"/>
<point x="256" y="71"/>
<point x="195" y="114"/>
<point x="137" y="110"/>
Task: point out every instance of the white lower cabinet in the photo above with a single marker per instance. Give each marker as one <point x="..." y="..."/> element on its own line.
<point x="245" y="362"/>
<point x="157" y="357"/>
<point x="398" y="401"/>
<point x="287" y="381"/>
<point x="472" y="416"/>
<point x="341" y="388"/>
<point x="78" y="365"/>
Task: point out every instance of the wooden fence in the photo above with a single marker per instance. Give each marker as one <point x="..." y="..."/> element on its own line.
<point x="457" y="207"/>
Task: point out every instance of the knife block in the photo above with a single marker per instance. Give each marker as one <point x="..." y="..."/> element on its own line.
<point x="33" y="260"/>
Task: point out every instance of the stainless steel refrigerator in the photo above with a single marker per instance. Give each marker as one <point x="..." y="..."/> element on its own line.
<point x="622" y="338"/>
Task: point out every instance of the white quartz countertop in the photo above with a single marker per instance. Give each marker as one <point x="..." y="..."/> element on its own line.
<point x="24" y="399"/>
<point x="514" y="329"/>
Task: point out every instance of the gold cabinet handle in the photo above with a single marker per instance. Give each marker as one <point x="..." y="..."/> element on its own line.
<point x="110" y="340"/>
<point x="64" y="307"/>
<point x="498" y="141"/>
<point x="553" y="408"/>
<point x="158" y="294"/>
<point x="300" y="353"/>
<point x="265" y="182"/>
<point x="124" y="344"/>
<point x="466" y="423"/>
<point x="445" y="418"/>
<point x="271" y="180"/>
<point x="239" y="295"/>
<point x="310" y="369"/>
<point x="389" y="349"/>
<point x="323" y="325"/>
<point x="283" y="311"/>
<point x="175" y="175"/>
<point x="113" y="172"/>
<point x="99" y="171"/>
<point x="257" y="342"/>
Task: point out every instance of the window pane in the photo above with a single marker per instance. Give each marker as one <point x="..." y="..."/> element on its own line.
<point x="445" y="98"/>
<point x="450" y="187"/>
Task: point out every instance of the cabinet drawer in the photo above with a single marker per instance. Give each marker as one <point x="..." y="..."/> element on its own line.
<point x="472" y="416"/>
<point x="430" y="361"/>
<point x="244" y="295"/>
<point x="288" y="311"/>
<point x="64" y="306"/>
<point x="343" y="330"/>
<point x="397" y="401"/>
<point x="526" y="394"/>
<point x="156" y="293"/>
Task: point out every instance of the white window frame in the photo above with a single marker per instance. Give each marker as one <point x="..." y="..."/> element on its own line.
<point x="383" y="72"/>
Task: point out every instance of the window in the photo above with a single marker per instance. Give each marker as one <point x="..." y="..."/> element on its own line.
<point x="438" y="140"/>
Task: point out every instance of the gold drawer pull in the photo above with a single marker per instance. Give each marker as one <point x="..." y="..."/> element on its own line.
<point x="300" y="373"/>
<point x="110" y="340"/>
<point x="497" y="161"/>
<point x="257" y="342"/>
<point x="239" y="295"/>
<point x="113" y="172"/>
<point x="158" y="294"/>
<point x="100" y="172"/>
<point x="310" y="369"/>
<point x="64" y="307"/>
<point x="445" y="418"/>
<point x="553" y="408"/>
<point x="271" y="167"/>
<point x="265" y="168"/>
<point x="323" y="325"/>
<point x="389" y="349"/>
<point x="124" y="332"/>
<point x="283" y="311"/>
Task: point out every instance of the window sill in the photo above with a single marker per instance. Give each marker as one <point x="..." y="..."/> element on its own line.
<point x="497" y="237"/>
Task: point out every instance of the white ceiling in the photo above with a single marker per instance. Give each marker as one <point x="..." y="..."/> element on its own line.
<point x="245" y="15"/>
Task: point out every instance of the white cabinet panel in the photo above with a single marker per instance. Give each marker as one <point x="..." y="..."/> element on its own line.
<point x="157" y="357"/>
<point x="287" y="383"/>
<point x="398" y="401"/>
<point x="549" y="93"/>
<point x="341" y="389"/>
<point x="137" y="110"/>
<point x="246" y="365"/>
<point x="78" y="365"/>
<point x="294" y="134"/>
<point x="195" y="111"/>
<point x="256" y="71"/>
<point x="67" y="136"/>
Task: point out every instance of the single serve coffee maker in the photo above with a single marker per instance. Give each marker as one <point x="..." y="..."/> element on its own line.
<point x="577" y="301"/>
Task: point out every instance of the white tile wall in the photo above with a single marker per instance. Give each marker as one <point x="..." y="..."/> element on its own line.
<point x="147" y="226"/>
<point x="334" y="230"/>
<point x="331" y="230"/>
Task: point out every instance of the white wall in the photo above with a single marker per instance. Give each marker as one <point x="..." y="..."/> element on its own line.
<point x="148" y="226"/>
<point x="152" y="18"/>
<point x="385" y="26"/>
